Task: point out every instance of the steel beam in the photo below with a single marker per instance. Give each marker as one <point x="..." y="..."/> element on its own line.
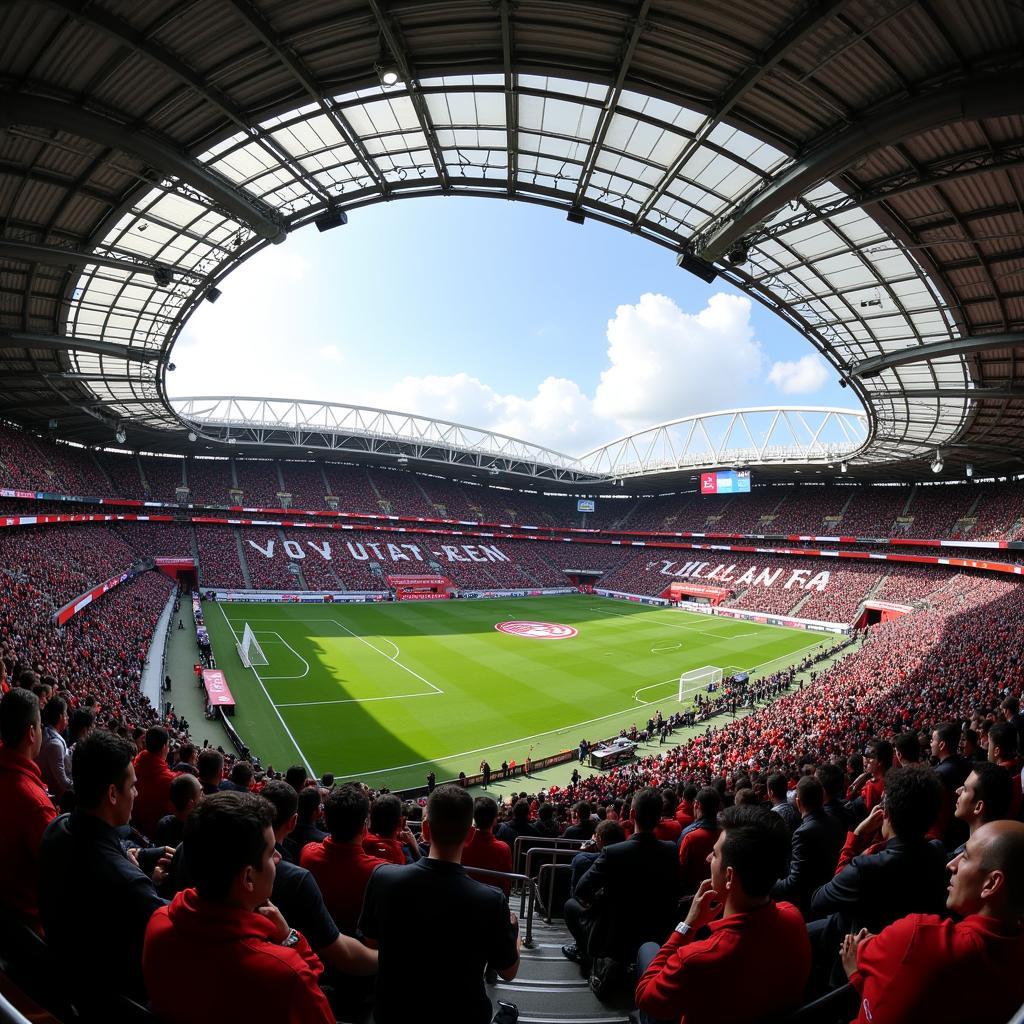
<point x="995" y="95"/>
<point x="868" y="368"/>
<point x="20" y="108"/>
<point x="69" y="343"/>
<point x="55" y="256"/>
<point x="1008" y="393"/>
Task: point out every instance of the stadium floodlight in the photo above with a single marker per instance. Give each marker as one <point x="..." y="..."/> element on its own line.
<point x="842" y="467"/>
<point x="698" y="679"/>
<point x="120" y="436"/>
<point x="695" y="265"/>
<point x="575" y="215"/>
<point x="388" y="74"/>
<point x="193" y="436"/>
<point x="212" y="293"/>
<point x="331" y="219"/>
<point x="969" y="470"/>
<point x="163" y="277"/>
<point x="937" y="463"/>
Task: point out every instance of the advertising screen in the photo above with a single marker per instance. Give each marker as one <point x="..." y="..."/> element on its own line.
<point x="726" y="482"/>
<point x="585" y="505"/>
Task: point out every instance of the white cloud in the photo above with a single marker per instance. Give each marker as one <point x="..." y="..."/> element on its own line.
<point x="665" y="363"/>
<point x="331" y="353"/>
<point x="801" y="377"/>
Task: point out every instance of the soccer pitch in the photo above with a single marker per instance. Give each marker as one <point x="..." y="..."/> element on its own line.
<point x="388" y="692"/>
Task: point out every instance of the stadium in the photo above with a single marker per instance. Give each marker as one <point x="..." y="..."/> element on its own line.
<point x="732" y="696"/>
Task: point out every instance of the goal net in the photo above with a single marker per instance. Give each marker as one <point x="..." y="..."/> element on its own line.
<point x="249" y="649"/>
<point x="698" y="679"/>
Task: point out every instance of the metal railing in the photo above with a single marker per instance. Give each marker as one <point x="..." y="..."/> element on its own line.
<point x="529" y="896"/>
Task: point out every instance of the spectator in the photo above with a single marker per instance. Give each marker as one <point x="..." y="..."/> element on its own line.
<point x="545" y="824"/>
<point x="210" y="765"/>
<point x="185" y="793"/>
<point x="340" y="865"/>
<point x="833" y="781"/>
<point x="815" y="846"/>
<point x="187" y="760"/>
<point x="241" y="778"/>
<point x="778" y="792"/>
<point x="153" y="782"/>
<point x="870" y="784"/>
<point x="952" y="769"/>
<point x="54" y="763"/>
<point x="1010" y="708"/>
<point x="25" y="809"/>
<point x="607" y="833"/>
<point x="698" y="839"/>
<point x="668" y="828"/>
<point x="628" y="896"/>
<point x="471" y="926"/>
<point x="520" y="825"/>
<point x="306" y="829"/>
<point x="94" y="900"/>
<point x="906" y="749"/>
<point x="296" y="776"/>
<point x="923" y="968"/>
<point x="582" y="826"/>
<point x="388" y="839"/>
<point x="684" y="809"/>
<point x="223" y="951"/>
<point x="756" y="958"/>
<point x="985" y="796"/>
<point x="482" y="849"/>
<point x="1003" y="750"/>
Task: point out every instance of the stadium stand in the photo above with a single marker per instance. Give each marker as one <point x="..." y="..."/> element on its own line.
<point x="209" y="481"/>
<point x="123" y="473"/>
<point x="258" y="483"/>
<point x="163" y="477"/>
<point x="219" y="564"/>
<point x="305" y="482"/>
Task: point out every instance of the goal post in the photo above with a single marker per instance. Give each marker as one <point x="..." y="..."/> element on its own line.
<point x="249" y="649"/>
<point x="698" y="678"/>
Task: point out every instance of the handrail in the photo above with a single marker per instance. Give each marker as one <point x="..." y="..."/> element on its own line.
<point x="553" y="869"/>
<point x="541" y="842"/>
<point x="528" y="897"/>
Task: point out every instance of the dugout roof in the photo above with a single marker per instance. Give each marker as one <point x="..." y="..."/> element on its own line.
<point x="855" y="165"/>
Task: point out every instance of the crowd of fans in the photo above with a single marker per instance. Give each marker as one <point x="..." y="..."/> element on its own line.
<point x="218" y="557"/>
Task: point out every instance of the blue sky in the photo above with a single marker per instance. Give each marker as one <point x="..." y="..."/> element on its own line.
<point x="496" y="314"/>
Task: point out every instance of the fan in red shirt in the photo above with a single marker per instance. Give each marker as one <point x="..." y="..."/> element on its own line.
<point x="387" y="838"/>
<point x="25" y="809"/>
<point x="153" y="778"/>
<point x="482" y="850"/>
<point x="923" y="969"/>
<point x="222" y="951"/>
<point x="698" y="840"/>
<point x="340" y="865"/>
<point x="757" y="951"/>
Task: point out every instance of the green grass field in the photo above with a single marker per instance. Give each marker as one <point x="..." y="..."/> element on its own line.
<point x="388" y="692"/>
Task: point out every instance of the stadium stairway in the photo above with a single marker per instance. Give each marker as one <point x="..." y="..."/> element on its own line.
<point x="550" y="989"/>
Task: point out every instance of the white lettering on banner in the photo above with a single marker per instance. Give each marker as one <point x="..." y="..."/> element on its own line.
<point x="493" y="553"/>
<point x="415" y="551"/>
<point x="799" y="576"/>
<point x="819" y="582"/>
<point x="747" y="578"/>
<point x="360" y="555"/>
<point x="397" y="554"/>
<point x="452" y="553"/>
<point x="768" y="578"/>
<point x="751" y="577"/>
<point x="324" y="552"/>
<point x="470" y="550"/>
<point x="375" y="548"/>
<point x="268" y="551"/>
<point x="293" y="550"/>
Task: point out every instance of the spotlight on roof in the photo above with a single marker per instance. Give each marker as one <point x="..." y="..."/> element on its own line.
<point x="193" y="436"/>
<point x="120" y="436"/>
<point x="51" y="424"/>
<point x="171" y="367"/>
<point x="842" y="467"/>
<point x="403" y="460"/>
<point x="163" y="277"/>
<point x="738" y="254"/>
<point x="388" y="74"/>
<point x="212" y="294"/>
<point x="969" y="469"/>
<point x="695" y="265"/>
<point x="575" y="215"/>
<point x="493" y="470"/>
<point x="937" y="463"/>
<point x="331" y="219"/>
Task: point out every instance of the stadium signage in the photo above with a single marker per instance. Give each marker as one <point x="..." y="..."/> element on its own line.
<point x="537" y="630"/>
<point x="384" y="551"/>
<point x="801" y="579"/>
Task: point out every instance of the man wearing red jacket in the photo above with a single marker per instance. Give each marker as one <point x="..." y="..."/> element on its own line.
<point x="222" y="951"/>
<point x="482" y="850"/>
<point x="25" y="809"/>
<point x="697" y="841"/>
<point x="340" y="865"/>
<point x="153" y="778"/>
<point x="757" y="950"/>
<point x="923" y="969"/>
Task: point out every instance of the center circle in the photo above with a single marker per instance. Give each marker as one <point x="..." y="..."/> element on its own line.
<point x="537" y="630"/>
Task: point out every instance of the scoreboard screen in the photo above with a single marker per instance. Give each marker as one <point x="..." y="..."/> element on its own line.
<point x="585" y="505"/>
<point x="727" y="482"/>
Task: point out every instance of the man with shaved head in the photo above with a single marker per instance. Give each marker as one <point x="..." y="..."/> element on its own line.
<point x="925" y="969"/>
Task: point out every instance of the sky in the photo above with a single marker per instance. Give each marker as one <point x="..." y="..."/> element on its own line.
<point x="498" y="315"/>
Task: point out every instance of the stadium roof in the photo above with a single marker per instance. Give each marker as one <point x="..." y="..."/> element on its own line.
<point x="855" y="165"/>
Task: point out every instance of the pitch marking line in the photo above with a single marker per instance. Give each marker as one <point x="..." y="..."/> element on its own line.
<point x="281" y="639"/>
<point x="284" y="724"/>
<point x="392" y="658"/>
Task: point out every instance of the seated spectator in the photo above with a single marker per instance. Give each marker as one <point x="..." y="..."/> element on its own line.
<point x="952" y="769"/>
<point x="222" y="951"/>
<point x="923" y="968"/>
<point x="906" y="749"/>
<point x="340" y="865"/>
<point x="388" y="838"/>
<point x="870" y="784"/>
<point x="684" y="809"/>
<point x="755" y="959"/>
<point x="985" y="796"/>
<point x="520" y="825"/>
<point x="241" y="778"/>
<point x="185" y="793"/>
<point x="94" y="900"/>
<point x="778" y="793"/>
<point x="471" y="927"/>
<point x="153" y="781"/>
<point x="833" y="780"/>
<point x="210" y="765"/>
<point x="545" y="824"/>
<point x="815" y="846"/>
<point x="25" y="809"/>
<point x="54" y="763"/>
<point x="1010" y="708"/>
<point x="482" y="849"/>
<point x="306" y="828"/>
<point x="628" y="896"/>
<point x="697" y="841"/>
<point x="607" y="833"/>
<point x="1003" y="750"/>
<point x="187" y="759"/>
<point x="296" y="777"/>
<point x="583" y="825"/>
<point x="668" y="828"/>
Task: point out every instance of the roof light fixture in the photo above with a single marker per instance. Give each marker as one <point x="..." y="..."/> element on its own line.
<point x="120" y="436"/>
<point x="388" y="74"/>
<point x="969" y="469"/>
<point x="937" y="463"/>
